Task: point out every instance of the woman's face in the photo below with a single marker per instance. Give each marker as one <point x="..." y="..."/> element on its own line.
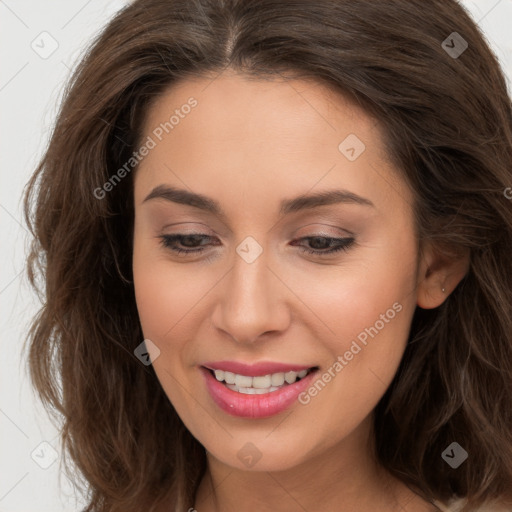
<point x="254" y="294"/>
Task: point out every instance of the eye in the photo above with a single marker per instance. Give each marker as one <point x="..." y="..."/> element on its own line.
<point x="193" y="243"/>
<point x="190" y="241"/>
<point x="324" y="245"/>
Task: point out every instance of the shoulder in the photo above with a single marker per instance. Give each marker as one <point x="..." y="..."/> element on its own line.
<point x="456" y="504"/>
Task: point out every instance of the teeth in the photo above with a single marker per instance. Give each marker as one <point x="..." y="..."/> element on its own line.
<point x="242" y="381"/>
<point x="277" y="379"/>
<point x="290" y="377"/>
<point x="252" y="391"/>
<point x="260" y="384"/>
<point x="229" y="377"/>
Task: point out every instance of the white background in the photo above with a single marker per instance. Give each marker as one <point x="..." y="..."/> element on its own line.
<point x="30" y="88"/>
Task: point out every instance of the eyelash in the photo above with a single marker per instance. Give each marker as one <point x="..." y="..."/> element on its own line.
<point x="344" y="244"/>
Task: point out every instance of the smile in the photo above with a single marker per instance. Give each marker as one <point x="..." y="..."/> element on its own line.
<point x="258" y="385"/>
<point x="258" y="396"/>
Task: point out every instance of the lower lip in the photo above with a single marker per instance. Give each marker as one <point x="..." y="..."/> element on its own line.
<point x="254" y="406"/>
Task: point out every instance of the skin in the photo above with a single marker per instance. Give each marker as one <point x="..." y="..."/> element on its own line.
<point x="248" y="145"/>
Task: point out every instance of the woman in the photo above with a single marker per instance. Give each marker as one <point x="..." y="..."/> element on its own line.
<point x="275" y="241"/>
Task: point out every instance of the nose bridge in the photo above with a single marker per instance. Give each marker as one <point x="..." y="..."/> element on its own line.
<point x="250" y="304"/>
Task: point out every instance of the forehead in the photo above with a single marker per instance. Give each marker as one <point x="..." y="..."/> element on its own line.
<point x="255" y="109"/>
<point x="262" y="136"/>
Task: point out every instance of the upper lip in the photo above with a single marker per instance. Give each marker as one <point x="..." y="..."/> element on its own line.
<point x="256" y="369"/>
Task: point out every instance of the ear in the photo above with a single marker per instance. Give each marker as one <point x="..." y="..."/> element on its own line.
<point x="439" y="270"/>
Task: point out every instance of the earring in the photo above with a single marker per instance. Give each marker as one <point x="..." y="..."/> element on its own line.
<point x="443" y="290"/>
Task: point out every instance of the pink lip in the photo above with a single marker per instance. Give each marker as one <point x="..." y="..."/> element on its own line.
<point x="254" y="370"/>
<point x="254" y="406"/>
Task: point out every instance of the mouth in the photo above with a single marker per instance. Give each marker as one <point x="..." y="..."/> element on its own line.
<point x="256" y="396"/>
<point x="261" y="384"/>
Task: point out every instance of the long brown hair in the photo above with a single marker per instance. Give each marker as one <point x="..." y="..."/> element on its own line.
<point x="447" y="120"/>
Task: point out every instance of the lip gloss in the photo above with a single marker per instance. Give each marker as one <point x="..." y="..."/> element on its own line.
<point x="254" y="406"/>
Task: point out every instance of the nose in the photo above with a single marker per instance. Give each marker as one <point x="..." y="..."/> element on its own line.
<point x="251" y="302"/>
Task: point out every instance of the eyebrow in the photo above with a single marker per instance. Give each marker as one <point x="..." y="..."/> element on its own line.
<point x="299" y="203"/>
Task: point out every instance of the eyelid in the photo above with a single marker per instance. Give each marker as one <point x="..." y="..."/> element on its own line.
<point x="183" y="230"/>
<point x="323" y="226"/>
<point x="320" y="230"/>
<point x="342" y="244"/>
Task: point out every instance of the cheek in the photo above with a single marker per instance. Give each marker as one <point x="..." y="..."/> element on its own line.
<point x="163" y="293"/>
<point x="171" y="299"/>
<point x="367" y="307"/>
<point x="361" y="292"/>
<point x="156" y="298"/>
<point x="163" y="298"/>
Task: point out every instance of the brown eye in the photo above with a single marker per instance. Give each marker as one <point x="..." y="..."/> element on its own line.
<point x="190" y="241"/>
<point x="321" y="245"/>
